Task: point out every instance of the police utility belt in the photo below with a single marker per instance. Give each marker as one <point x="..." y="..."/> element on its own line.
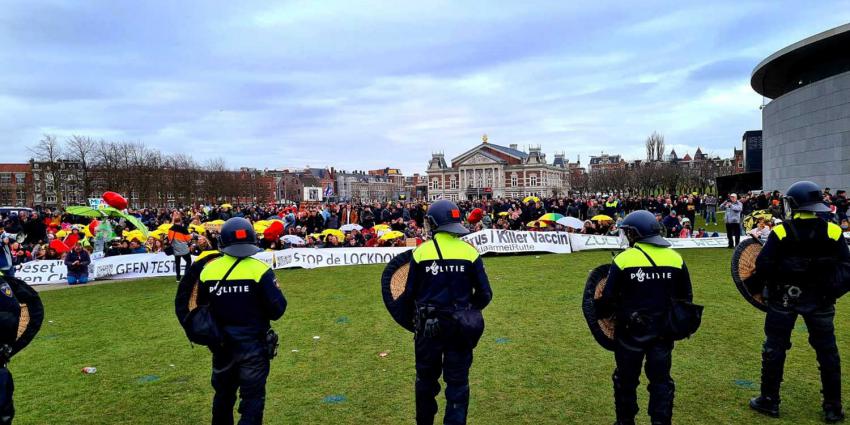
<point x="463" y="324"/>
<point x="205" y="331"/>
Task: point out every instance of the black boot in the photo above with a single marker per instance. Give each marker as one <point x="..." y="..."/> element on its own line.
<point x="832" y="413"/>
<point x="765" y="405"/>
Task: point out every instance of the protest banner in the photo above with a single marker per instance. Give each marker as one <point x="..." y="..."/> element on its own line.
<point x="507" y="241"/>
<point x="486" y="241"/>
<point x="698" y="243"/>
<point x="311" y="258"/>
<point x="582" y="242"/>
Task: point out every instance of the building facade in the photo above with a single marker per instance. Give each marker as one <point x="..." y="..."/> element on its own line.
<point x="58" y="183"/>
<point x="16" y="185"/>
<point x="493" y="171"/>
<point x="806" y="127"/>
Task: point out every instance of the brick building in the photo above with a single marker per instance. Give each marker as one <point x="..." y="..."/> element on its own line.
<point x="16" y="185"/>
<point x="494" y="171"/>
<point x="58" y="183"/>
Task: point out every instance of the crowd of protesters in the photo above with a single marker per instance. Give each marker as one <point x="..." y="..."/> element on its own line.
<point x="377" y="224"/>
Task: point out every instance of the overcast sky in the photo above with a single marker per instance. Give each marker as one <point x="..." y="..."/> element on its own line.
<point x="361" y="85"/>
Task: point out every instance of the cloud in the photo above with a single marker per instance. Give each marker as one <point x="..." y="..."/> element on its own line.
<point x="376" y="84"/>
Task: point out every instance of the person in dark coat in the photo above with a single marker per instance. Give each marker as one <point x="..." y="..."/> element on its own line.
<point x="77" y="261"/>
<point x="642" y="282"/>
<point x="804" y="267"/>
<point x="450" y="289"/>
<point x="15" y="297"/>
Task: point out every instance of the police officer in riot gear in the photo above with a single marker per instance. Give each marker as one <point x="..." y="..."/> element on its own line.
<point x="243" y="296"/>
<point x="800" y="267"/>
<point x="450" y="288"/>
<point x="642" y="282"/>
<point x="21" y="315"/>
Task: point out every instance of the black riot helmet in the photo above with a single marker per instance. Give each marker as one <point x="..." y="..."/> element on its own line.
<point x="642" y="226"/>
<point x="804" y="196"/>
<point x="444" y="216"/>
<point x="238" y="238"/>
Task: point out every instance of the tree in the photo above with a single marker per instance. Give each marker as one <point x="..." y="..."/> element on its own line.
<point x="48" y="152"/>
<point x="650" y="149"/>
<point x="82" y="150"/>
<point x="655" y="147"/>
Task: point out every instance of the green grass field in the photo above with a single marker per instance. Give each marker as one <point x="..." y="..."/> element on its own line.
<point x="537" y="362"/>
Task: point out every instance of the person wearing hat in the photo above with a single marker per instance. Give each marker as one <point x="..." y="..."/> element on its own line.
<point x="242" y="296"/>
<point x="642" y="284"/>
<point x="450" y="288"/>
<point x="804" y="267"/>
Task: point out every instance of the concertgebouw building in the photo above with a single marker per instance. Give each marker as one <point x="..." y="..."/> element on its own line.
<point x="807" y="123"/>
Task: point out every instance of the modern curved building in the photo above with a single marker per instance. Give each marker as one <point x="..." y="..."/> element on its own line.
<point x="806" y="126"/>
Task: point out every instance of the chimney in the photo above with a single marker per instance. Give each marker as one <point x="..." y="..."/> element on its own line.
<point x="514" y="146"/>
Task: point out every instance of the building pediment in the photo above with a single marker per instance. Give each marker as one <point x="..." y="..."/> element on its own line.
<point x="480" y="158"/>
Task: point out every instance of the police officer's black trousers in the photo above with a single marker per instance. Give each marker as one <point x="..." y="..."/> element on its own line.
<point x="777" y="328"/>
<point x="245" y="367"/>
<point x="433" y="357"/>
<point x="627" y="377"/>
<point x="7" y="387"/>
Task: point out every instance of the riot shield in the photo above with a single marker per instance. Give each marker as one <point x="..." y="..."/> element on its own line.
<point x="743" y="270"/>
<point x="602" y="328"/>
<point x="398" y="298"/>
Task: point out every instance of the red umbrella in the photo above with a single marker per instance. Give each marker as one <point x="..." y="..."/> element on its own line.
<point x="93" y="226"/>
<point x="59" y="246"/>
<point x="71" y="239"/>
<point x="475" y="216"/>
<point x="273" y="231"/>
<point x="115" y="200"/>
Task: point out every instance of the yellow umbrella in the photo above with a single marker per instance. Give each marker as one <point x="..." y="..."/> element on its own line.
<point x="226" y="206"/>
<point x="260" y="226"/>
<point x="339" y="235"/>
<point x="601" y="217"/>
<point x="135" y="235"/>
<point x="165" y="227"/>
<point x="213" y="226"/>
<point x="157" y="234"/>
<point x="314" y="235"/>
<point x="61" y="233"/>
<point x="197" y="228"/>
<point x="395" y="234"/>
<point x="530" y="198"/>
<point x="381" y="227"/>
<point x="537" y="224"/>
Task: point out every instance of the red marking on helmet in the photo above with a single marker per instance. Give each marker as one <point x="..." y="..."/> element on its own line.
<point x="241" y="234"/>
<point x="455" y="213"/>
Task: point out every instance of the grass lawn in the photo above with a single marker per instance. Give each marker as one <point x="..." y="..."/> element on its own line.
<point x="537" y="362"/>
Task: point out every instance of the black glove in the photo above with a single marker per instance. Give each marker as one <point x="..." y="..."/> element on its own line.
<point x="272" y="342"/>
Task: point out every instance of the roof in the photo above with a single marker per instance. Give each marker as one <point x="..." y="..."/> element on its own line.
<point x="687" y="157"/>
<point x="809" y="60"/>
<point x="509" y="151"/>
<point x="318" y="172"/>
<point x="15" y="168"/>
<point x="513" y="152"/>
<point x="611" y="159"/>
